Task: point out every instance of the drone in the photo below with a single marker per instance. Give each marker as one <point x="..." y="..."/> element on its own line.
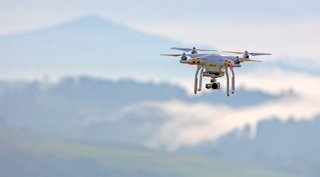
<point x="213" y="65"/>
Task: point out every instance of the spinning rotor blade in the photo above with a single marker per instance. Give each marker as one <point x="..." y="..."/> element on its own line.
<point x="249" y="53"/>
<point x="182" y="49"/>
<point x="171" y="55"/>
<point x="189" y="55"/>
<point x="232" y="52"/>
<point x="248" y="60"/>
<point x="256" y="54"/>
<point x="190" y="49"/>
<point x="206" y="50"/>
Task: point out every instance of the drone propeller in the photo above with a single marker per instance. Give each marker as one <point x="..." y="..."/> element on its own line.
<point x="191" y="49"/>
<point x="189" y="55"/>
<point x="248" y="53"/>
<point x="171" y="55"/>
<point x="248" y="60"/>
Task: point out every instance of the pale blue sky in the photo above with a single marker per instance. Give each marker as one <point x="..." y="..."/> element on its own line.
<point x="18" y="15"/>
<point x="285" y="28"/>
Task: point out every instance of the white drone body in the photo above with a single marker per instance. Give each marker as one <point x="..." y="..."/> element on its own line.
<point x="213" y="65"/>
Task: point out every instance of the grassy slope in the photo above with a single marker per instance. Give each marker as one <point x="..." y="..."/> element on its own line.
<point x="129" y="160"/>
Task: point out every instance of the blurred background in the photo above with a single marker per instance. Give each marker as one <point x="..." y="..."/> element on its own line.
<point x="84" y="91"/>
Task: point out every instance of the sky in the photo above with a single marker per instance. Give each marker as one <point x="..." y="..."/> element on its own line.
<point x="288" y="29"/>
<point x="284" y="28"/>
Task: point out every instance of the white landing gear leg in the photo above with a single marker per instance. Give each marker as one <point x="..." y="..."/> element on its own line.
<point x="227" y="76"/>
<point x="200" y="80"/>
<point x="233" y="81"/>
<point x="196" y="80"/>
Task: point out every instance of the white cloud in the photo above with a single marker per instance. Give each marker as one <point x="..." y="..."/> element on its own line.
<point x="275" y="80"/>
<point x="192" y="123"/>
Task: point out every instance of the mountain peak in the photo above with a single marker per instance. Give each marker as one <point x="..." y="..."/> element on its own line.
<point x="92" y="19"/>
<point x="88" y="22"/>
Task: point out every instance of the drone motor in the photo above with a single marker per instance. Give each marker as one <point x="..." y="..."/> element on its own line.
<point x="246" y="55"/>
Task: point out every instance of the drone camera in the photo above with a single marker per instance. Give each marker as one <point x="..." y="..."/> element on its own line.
<point x="213" y="86"/>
